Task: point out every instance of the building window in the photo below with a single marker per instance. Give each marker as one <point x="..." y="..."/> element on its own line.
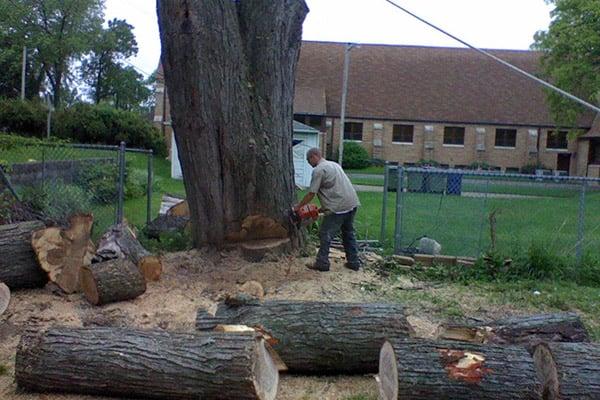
<point x="557" y="140"/>
<point x="506" y="138"/>
<point x="403" y="133"/>
<point x="353" y="131"/>
<point x="314" y="121"/>
<point x="454" y="135"/>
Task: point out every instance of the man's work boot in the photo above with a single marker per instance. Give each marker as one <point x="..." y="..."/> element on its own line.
<point x="317" y="267"/>
<point x="353" y="267"/>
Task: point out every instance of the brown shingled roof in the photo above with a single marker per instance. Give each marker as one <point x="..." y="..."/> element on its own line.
<point x="310" y="100"/>
<point x="427" y="84"/>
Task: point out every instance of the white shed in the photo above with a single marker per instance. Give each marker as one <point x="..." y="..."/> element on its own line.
<point x="305" y="138"/>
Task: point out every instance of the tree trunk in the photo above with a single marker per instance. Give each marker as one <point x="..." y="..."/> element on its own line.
<point x="230" y="68"/>
<point x="413" y="369"/>
<point x="4" y="297"/>
<point x="111" y="281"/>
<point x="569" y="370"/>
<point x="561" y="327"/>
<point x="257" y="250"/>
<point x="18" y="266"/>
<point x="318" y="337"/>
<point x="146" y="364"/>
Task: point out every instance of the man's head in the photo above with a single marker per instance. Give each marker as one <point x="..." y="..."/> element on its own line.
<point x="313" y="156"/>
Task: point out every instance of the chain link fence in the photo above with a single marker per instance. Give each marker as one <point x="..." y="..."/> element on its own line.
<point x="471" y="213"/>
<point x="57" y="180"/>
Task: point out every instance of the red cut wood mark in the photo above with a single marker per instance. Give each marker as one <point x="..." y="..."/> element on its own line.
<point x="464" y="366"/>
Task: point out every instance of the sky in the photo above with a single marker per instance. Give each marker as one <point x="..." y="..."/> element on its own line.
<point x="499" y="24"/>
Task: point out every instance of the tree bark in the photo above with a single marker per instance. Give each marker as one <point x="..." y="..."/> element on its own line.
<point x="561" y="327"/>
<point x="230" y="68"/>
<point x="146" y="364"/>
<point x="414" y="369"/>
<point x="569" y="370"/>
<point x="166" y="224"/>
<point x="318" y="337"/>
<point x="111" y="281"/>
<point x="19" y="267"/>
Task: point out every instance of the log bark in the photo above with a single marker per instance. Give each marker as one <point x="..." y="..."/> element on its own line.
<point x="528" y="330"/>
<point x="19" y="267"/>
<point x="569" y="370"/>
<point x="112" y="281"/>
<point x="233" y="110"/>
<point x="62" y="252"/>
<point x="4" y="297"/>
<point x="166" y="224"/>
<point x="318" y="337"/>
<point x="414" y="369"/>
<point x="120" y="242"/>
<point x="146" y="364"/>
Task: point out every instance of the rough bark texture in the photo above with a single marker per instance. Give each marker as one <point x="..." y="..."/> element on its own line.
<point x="166" y="224"/>
<point x="146" y="364"/>
<point x="569" y="370"/>
<point x="230" y="67"/>
<point x="18" y="266"/>
<point x="318" y="337"/>
<point x="4" y="297"/>
<point x="413" y="369"/>
<point x="112" y="281"/>
<point x="561" y="327"/>
<point x="120" y="242"/>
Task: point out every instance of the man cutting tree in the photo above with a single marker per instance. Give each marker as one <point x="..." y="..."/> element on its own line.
<point x="339" y="203"/>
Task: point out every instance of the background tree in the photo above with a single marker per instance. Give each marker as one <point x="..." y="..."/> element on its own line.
<point x="127" y="88"/>
<point x="571" y="48"/>
<point x="230" y="68"/>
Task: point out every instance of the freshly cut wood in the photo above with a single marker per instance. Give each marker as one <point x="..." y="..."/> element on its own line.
<point x="62" y="252"/>
<point x="257" y="227"/>
<point x="120" y="242"/>
<point x="318" y="337"/>
<point x="111" y="281"/>
<point x="166" y="224"/>
<point x="4" y="297"/>
<point x="181" y="209"/>
<point x="560" y="327"/>
<point x="146" y="364"/>
<point x="569" y="370"/>
<point x="422" y="370"/>
<point x="19" y="267"/>
<point x="167" y="201"/>
<point x="257" y="250"/>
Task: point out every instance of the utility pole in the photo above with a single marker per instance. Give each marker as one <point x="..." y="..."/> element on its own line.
<point x="23" y="71"/>
<point x="349" y="48"/>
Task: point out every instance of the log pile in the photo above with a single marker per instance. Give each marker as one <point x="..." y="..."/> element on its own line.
<point x="19" y="268"/>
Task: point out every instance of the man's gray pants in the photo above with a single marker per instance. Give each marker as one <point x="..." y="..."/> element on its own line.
<point x="332" y="224"/>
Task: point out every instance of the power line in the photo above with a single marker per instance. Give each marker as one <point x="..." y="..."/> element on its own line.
<point x="501" y="61"/>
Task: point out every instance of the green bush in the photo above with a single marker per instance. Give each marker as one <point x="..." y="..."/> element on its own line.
<point x="479" y="165"/>
<point x="530" y="169"/>
<point x="136" y="183"/>
<point x="99" y="181"/>
<point x="427" y="163"/>
<point x="355" y="156"/>
<point x="56" y="201"/>
<point x="23" y="117"/>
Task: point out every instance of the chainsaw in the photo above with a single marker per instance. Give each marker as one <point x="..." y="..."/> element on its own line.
<point x="305" y="215"/>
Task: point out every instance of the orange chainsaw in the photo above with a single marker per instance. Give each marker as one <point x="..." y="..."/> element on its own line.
<point x="305" y="215"/>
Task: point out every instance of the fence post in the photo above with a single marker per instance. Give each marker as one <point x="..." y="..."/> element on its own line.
<point x="483" y="215"/>
<point x="121" y="184"/>
<point x="581" y="223"/>
<point x="386" y="173"/>
<point x="149" y="188"/>
<point x="399" y="210"/>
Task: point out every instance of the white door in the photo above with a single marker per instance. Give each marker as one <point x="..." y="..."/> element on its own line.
<point x="302" y="169"/>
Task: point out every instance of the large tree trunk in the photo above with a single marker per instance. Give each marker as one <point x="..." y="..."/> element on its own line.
<point x="318" y="337"/>
<point x="19" y="267"/>
<point x="146" y="364"/>
<point x="111" y="281"/>
<point x="421" y="370"/>
<point x="569" y="370"/>
<point x="230" y="67"/>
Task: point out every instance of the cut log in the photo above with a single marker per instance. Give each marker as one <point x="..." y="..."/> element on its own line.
<point x="166" y="224"/>
<point x="528" y="330"/>
<point x="318" y="337"/>
<point x="111" y="281"/>
<point x="4" y="297"/>
<point x="569" y="370"/>
<point x="257" y="250"/>
<point x="19" y="267"/>
<point x="146" y="364"/>
<point x="422" y="370"/>
<point x="120" y="242"/>
<point x="62" y="252"/>
<point x="181" y="209"/>
<point x="257" y="227"/>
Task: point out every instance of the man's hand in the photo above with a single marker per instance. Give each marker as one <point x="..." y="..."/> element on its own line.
<point x="307" y="199"/>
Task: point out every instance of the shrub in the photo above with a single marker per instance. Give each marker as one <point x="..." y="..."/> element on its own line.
<point x="479" y="165"/>
<point x="23" y="117"/>
<point x="427" y="163"/>
<point x="136" y="183"/>
<point x="99" y="181"/>
<point x="56" y="201"/>
<point x="355" y="156"/>
<point x="530" y="169"/>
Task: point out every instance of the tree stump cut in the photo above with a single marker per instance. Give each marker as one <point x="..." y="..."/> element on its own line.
<point x="4" y="297"/>
<point x="569" y="370"/>
<point x="111" y="281"/>
<point x="19" y="268"/>
<point x="318" y="337"/>
<point x="146" y="364"/>
<point x="413" y="369"/>
<point x="258" y="250"/>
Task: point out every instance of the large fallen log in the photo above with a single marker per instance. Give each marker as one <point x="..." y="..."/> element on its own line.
<point x="561" y="327"/>
<point x="569" y="370"/>
<point x="422" y="370"/>
<point x="146" y="364"/>
<point x="62" y="252"/>
<point x="19" y="267"/>
<point x="120" y="242"/>
<point x="318" y="337"/>
<point x="111" y="281"/>
<point x="4" y="297"/>
<point x="166" y="224"/>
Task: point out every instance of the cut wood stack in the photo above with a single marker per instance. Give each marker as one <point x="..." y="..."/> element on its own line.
<point x="111" y="281"/>
<point x="18" y="265"/>
<point x="318" y="337"/>
<point x="146" y="364"/>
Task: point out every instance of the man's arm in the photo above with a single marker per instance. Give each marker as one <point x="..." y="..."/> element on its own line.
<point x="307" y="199"/>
